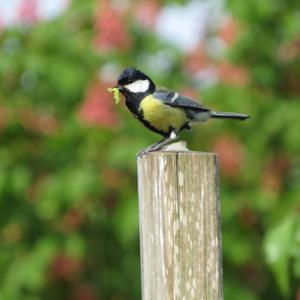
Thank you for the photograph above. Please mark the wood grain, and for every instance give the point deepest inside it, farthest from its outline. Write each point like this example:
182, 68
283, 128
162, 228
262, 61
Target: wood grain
180, 234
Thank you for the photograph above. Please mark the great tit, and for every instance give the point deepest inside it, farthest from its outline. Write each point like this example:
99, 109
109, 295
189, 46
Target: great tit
161, 110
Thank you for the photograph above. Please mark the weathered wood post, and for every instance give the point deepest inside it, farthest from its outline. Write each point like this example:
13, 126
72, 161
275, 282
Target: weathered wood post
180, 234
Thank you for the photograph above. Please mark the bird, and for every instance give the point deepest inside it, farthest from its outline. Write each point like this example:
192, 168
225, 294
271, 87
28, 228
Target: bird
161, 110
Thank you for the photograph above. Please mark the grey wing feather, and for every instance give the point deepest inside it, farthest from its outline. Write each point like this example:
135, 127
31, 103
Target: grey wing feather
176, 100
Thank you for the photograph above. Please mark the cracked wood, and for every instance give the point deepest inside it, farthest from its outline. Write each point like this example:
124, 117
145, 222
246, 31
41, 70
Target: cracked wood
180, 234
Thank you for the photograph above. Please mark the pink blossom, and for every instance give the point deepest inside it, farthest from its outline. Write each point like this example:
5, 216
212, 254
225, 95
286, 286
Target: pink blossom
1, 24
110, 27
97, 108
229, 30
196, 60
231, 154
28, 11
274, 172
146, 12
232, 74
65, 268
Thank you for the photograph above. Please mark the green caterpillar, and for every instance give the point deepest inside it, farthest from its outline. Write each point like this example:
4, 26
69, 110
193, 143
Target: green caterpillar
116, 94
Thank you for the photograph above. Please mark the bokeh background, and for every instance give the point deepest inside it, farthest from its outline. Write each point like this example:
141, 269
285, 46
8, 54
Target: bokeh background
68, 192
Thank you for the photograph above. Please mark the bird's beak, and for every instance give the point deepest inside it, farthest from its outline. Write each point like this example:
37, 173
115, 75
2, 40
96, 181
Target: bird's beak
119, 87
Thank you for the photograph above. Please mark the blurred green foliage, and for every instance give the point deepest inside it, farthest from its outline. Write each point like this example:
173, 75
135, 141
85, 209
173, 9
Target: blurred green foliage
68, 197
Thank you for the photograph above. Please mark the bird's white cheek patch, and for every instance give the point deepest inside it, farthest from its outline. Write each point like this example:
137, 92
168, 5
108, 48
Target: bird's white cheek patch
139, 86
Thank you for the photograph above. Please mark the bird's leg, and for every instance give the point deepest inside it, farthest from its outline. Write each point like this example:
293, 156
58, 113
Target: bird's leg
157, 146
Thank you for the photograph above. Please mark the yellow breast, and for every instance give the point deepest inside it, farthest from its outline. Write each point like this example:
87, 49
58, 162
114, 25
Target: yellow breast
162, 116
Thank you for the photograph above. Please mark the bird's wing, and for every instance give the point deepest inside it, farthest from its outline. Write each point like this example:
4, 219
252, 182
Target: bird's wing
176, 100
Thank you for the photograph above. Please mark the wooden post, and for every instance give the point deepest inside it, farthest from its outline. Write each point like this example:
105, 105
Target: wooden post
180, 233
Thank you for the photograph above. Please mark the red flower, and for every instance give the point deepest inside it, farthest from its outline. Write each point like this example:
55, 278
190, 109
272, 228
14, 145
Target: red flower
83, 292
228, 31
65, 268
97, 108
190, 92
110, 29
231, 155
71, 220
146, 12
274, 173
197, 60
1, 25
27, 11
232, 74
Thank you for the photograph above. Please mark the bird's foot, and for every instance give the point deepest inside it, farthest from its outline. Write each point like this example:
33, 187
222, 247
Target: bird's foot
157, 146
151, 148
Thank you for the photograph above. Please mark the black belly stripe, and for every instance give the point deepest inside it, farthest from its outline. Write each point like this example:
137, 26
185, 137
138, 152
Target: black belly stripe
149, 126
133, 104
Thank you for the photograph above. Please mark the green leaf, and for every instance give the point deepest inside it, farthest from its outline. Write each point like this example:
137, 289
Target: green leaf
277, 248
29, 270
296, 250
75, 246
126, 220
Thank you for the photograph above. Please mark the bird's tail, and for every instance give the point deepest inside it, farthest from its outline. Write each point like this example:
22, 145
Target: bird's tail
228, 115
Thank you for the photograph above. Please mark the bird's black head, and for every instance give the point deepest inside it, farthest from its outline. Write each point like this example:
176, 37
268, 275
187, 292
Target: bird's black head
134, 81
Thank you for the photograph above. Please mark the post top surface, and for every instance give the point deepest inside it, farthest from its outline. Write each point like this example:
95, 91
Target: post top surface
177, 149
178, 154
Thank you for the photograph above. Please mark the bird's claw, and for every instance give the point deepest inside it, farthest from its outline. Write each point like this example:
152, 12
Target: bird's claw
159, 145
147, 150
